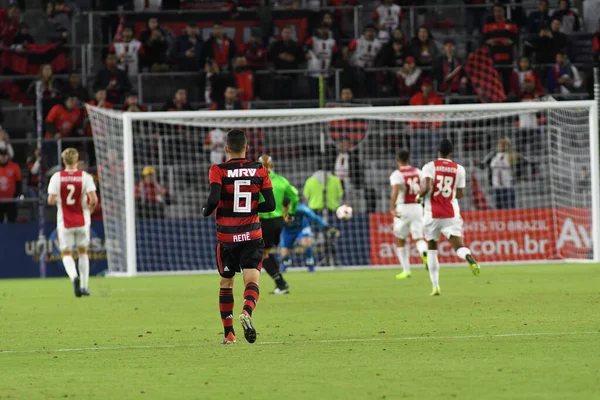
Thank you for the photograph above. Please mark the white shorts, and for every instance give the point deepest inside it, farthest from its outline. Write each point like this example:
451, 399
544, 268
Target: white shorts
434, 228
68, 238
409, 221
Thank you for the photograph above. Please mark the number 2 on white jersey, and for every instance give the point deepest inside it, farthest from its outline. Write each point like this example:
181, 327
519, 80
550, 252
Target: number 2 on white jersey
238, 195
70, 199
444, 185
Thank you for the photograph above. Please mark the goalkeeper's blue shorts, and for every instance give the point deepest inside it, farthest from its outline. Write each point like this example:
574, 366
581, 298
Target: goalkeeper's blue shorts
290, 235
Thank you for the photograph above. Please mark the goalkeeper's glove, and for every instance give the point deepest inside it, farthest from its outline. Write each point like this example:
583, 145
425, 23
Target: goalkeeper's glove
333, 232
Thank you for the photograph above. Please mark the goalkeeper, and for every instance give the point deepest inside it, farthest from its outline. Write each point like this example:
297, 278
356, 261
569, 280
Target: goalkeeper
272, 222
298, 228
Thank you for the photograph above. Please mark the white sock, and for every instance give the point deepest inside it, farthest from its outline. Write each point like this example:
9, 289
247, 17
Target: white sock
421, 246
70, 267
434, 267
463, 252
404, 259
84, 270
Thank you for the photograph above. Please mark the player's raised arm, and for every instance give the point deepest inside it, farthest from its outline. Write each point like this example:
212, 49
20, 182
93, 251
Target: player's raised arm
311, 215
215, 178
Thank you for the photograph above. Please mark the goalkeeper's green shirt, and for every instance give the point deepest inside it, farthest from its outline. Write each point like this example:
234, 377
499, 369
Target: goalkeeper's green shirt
281, 189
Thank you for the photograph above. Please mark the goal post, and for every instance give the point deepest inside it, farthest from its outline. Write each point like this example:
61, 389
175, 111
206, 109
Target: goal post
153, 178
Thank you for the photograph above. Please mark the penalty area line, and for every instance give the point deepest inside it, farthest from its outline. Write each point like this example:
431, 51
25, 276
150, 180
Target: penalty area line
289, 342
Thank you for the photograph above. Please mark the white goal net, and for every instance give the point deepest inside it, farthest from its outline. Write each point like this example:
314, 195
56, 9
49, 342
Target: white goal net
532, 179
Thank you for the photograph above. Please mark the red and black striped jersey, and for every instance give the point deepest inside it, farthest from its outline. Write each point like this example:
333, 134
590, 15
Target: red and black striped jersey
237, 213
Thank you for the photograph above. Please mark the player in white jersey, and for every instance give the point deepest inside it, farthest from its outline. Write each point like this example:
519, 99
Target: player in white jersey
74, 193
407, 213
444, 183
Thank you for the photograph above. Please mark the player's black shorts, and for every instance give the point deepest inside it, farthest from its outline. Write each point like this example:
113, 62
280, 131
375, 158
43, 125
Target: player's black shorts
271, 230
234, 257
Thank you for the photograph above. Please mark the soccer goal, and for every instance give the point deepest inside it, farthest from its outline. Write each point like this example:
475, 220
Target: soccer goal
541, 204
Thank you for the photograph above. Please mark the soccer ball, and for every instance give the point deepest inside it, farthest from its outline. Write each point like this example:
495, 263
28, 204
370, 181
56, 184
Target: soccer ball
344, 212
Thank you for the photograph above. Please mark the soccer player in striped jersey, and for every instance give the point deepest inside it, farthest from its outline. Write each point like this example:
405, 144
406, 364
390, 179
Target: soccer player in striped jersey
74, 194
235, 187
444, 183
272, 222
407, 213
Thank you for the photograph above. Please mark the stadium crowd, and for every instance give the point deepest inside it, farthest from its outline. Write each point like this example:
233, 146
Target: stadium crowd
533, 52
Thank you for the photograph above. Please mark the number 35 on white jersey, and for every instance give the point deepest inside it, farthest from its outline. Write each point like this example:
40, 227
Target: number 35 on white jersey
71, 187
447, 176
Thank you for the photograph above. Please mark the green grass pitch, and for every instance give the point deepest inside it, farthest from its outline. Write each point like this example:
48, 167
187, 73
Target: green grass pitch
516, 332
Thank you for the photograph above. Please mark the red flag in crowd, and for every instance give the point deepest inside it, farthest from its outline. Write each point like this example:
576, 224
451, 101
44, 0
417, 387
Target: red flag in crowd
484, 77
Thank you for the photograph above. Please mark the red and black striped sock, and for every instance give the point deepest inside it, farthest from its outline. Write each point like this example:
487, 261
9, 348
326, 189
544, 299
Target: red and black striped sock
250, 297
226, 307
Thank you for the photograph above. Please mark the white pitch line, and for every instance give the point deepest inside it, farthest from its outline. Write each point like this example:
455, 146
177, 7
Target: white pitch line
357, 340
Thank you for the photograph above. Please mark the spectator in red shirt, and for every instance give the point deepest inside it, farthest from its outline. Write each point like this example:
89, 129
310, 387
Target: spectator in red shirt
502, 36
9, 24
244, 78
10, 187
132, 104
178, 102
409, 78
424, 135
426, 97
254, 51
424, 49
100, 100
231, 101
448, 70
150, 196
256, 58
219, 47
64, 120
520, 75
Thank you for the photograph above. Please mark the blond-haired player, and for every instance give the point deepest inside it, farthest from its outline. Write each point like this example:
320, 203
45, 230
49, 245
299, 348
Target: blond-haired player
74, 193
407, 213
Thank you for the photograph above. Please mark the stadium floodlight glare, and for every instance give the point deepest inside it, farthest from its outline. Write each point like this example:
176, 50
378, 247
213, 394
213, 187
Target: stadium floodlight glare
551, 210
